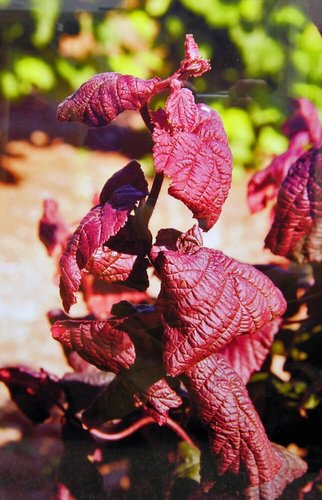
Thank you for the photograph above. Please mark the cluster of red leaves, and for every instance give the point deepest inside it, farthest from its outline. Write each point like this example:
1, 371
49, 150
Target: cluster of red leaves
294, 177
303, 130
212, 311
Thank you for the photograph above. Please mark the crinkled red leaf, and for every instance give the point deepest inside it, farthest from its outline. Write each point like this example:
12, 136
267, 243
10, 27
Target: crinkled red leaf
101, 343
193, 64
158, 399
122, 259
192, 149
296, 230
35, 393
53, 231
237, 436
264, 185
207, 299
102, 98
247, 353
121, 397
114, 267
97, 227
305, 118
291, 468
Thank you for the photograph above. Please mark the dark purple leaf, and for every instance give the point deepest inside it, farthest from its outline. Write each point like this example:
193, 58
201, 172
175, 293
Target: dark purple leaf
193, 150
35, 393
96, 228
264, 185
53, 231
206, 299
158, 399
237, 436
296, 230
247, 353
131, 176
102, 98
101, 343
305, 118
82, 388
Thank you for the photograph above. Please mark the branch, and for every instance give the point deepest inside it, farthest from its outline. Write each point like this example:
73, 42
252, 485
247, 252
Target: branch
104, 436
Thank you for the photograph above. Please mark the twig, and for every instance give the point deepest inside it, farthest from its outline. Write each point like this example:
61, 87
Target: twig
116, 436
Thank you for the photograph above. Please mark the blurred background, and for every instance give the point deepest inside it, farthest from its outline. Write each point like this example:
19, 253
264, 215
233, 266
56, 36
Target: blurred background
263, 53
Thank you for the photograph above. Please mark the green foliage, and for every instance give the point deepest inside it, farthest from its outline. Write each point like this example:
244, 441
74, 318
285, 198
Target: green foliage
189, 462
262, 52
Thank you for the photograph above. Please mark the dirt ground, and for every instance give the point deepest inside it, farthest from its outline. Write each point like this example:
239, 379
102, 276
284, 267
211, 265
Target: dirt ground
71, 176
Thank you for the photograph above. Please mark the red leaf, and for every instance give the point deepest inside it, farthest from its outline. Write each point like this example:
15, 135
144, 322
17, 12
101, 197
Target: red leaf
102, 98
305, 118
292, 467
101, 343
237, 436
192, 149
296, 230
100, 296
158, 399
114, 267
264, 185
247, 353
35, 393
96, 228
207, 299
193, 64
53, 231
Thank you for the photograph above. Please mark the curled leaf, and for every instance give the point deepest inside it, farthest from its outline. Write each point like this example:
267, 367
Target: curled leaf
291, 468
264, 185
206, 299
193, 64
101, 343
34, 392
304, 118
304, 129
115, 267
53, 231
102, 98
97, 227
191, 147
237, 436
297, 231
247, 353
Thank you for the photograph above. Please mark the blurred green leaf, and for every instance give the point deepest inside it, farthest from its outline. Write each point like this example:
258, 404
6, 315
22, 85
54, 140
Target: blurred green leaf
311, 402
157, 7
289, 14
45, 13
216, 12
189, 466
261, 53
251, 10
9, 85
75, 76
32, 71
271, 141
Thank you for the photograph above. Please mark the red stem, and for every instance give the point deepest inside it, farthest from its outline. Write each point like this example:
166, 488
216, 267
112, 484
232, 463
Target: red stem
115, 436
